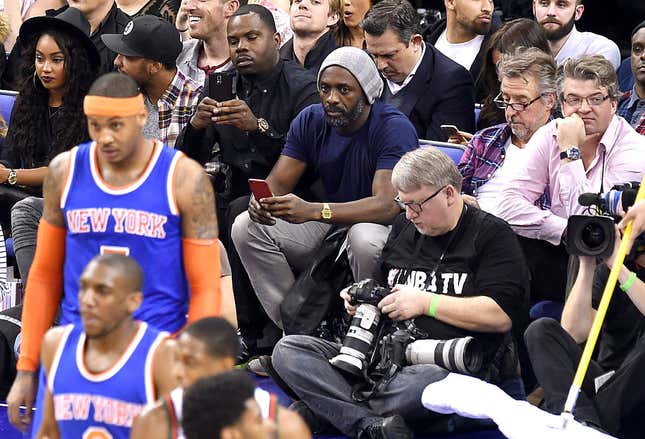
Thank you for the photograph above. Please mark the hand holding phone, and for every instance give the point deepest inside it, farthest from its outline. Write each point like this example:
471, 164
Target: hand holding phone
260, 189
449, 130
222, 86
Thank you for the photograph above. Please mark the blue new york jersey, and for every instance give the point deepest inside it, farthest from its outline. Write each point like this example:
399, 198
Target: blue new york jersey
101, 405
140, 220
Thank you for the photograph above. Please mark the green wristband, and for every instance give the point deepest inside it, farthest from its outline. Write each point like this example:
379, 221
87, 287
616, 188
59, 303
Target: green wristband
432, 307
628, 283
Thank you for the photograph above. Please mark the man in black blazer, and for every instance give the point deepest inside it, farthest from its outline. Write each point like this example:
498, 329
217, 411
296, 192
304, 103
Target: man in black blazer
428, 87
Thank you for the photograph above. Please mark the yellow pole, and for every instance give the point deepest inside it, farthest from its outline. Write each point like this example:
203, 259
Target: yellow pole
574, 391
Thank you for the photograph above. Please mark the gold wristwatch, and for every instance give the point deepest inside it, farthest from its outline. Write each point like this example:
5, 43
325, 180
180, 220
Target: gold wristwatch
12, 178
263, 125
326, 213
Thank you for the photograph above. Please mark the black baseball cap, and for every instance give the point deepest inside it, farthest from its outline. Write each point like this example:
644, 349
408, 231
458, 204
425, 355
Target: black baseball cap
147, 36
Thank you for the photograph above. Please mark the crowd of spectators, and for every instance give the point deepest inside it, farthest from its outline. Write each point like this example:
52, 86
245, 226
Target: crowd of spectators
343, 109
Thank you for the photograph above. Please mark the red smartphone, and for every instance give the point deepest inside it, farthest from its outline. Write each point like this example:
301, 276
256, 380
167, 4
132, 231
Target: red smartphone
260, 189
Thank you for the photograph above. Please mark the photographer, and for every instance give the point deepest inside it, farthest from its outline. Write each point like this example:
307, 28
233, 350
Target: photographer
613, 392
455, 270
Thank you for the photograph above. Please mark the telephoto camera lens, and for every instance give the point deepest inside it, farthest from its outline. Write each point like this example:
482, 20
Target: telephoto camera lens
462, 355
358, 341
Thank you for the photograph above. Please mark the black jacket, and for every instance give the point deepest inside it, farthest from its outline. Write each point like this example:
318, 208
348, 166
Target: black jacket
325, 45
440, 93
278, 98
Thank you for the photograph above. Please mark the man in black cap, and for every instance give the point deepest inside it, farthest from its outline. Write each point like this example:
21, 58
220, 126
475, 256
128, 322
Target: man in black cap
147, 52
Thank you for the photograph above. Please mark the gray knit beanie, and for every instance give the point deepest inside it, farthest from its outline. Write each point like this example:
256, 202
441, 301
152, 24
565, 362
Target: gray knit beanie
359, 64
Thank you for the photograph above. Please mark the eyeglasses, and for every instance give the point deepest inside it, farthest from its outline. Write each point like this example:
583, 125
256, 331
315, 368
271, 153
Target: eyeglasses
593, 100
413, 205
502, 104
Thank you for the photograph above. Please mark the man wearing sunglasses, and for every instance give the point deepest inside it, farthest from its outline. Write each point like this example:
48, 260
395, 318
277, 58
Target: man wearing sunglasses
589, 150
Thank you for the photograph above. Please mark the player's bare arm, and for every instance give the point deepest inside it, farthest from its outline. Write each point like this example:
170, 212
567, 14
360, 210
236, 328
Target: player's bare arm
195, 200
53, 189
49, 427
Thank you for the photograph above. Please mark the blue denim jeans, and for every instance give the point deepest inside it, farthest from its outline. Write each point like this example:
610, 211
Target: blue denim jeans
303, 363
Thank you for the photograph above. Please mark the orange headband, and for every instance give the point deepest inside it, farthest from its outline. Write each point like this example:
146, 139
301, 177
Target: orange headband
113, 107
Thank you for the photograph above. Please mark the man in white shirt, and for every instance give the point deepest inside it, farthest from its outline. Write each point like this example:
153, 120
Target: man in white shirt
558, 19
426, 86
461, 37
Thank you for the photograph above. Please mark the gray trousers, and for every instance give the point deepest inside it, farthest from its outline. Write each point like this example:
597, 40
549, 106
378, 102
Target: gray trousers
303, 363
25, 216
271, 254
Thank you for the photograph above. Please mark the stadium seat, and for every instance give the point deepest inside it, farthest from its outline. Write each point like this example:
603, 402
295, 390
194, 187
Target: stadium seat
546, 308
454, 151
7, 99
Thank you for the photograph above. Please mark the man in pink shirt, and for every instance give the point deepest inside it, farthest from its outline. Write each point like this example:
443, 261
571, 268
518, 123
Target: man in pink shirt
589, 150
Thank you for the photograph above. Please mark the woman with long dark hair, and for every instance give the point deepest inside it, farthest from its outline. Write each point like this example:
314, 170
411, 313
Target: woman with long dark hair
59, 63
57, 68
522, 32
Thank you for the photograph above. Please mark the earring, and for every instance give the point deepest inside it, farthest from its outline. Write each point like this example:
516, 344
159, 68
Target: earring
36, 80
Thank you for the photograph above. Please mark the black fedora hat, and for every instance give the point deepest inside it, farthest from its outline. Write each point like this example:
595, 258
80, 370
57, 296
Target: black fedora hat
70, 21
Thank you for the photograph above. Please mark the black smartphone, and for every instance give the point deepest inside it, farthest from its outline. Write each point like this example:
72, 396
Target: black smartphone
221, 86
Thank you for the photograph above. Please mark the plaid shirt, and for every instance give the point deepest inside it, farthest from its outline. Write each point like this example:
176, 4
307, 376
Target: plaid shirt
484, 155
176, 106
626, 109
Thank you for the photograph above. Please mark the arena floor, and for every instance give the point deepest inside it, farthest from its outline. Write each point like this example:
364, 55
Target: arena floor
8, 432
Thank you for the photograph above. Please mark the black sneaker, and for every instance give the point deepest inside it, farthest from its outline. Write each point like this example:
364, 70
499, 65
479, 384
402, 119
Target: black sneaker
248, 348
393, 427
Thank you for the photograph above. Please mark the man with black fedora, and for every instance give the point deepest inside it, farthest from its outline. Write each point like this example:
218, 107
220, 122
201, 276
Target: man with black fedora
147, 51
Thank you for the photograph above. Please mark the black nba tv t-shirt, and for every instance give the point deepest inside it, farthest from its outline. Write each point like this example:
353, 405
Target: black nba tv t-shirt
482, 257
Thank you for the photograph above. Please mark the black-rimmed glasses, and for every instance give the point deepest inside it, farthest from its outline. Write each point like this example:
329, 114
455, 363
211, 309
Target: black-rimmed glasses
414, 206
517, 106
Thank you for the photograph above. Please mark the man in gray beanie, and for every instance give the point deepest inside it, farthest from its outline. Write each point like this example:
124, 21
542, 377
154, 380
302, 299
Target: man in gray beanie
351, 142
631, 105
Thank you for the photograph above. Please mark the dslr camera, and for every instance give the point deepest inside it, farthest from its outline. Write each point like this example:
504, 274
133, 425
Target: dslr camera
361, 337
594, 235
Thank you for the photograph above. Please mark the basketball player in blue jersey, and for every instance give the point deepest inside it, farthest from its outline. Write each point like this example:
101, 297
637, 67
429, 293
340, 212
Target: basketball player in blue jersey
123, 194
101, 373
205, 348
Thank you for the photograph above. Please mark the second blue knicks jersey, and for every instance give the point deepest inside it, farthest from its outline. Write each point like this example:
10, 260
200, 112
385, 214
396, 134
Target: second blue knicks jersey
140, 220
101, 405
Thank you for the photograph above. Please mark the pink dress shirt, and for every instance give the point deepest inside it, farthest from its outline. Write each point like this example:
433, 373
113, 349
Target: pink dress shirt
624, 152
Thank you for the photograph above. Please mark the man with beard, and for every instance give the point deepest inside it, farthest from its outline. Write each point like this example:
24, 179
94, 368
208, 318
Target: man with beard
558, 19
462, 36
351, 142
631, 105
528, 96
